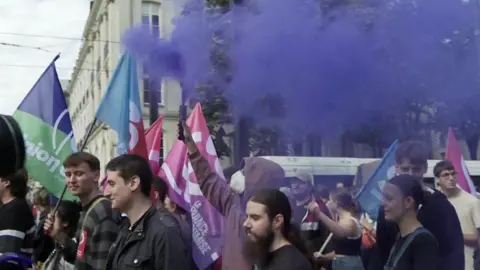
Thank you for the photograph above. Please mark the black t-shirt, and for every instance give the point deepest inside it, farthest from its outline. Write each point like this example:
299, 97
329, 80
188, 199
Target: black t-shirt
288, 258
421, 254
17, 227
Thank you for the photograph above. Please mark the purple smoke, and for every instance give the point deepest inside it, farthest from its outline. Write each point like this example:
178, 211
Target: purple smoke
330, 70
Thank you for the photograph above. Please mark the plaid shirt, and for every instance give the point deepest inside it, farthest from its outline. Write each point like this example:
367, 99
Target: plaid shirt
95, 239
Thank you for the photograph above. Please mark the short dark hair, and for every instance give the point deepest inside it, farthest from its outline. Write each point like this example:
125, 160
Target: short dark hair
161, 187
415, 152
444, 165
129, 165
78, 158
18, 183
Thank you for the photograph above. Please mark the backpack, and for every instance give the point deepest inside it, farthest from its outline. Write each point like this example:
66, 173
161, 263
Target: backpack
393, 259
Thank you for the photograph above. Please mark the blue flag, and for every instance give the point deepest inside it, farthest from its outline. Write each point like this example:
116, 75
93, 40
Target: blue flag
120, 108
47, 129
370, 195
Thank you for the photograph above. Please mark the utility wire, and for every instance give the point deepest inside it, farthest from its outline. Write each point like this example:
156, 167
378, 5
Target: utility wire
56, 37
43, 67
24, 47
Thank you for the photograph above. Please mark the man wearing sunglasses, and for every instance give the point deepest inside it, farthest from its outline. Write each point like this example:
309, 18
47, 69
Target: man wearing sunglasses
436, 214
466, 205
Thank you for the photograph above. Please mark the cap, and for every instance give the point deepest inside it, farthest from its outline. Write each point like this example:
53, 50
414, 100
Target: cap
304, 177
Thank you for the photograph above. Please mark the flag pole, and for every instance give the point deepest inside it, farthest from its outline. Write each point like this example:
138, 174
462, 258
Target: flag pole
182, 113
82, 147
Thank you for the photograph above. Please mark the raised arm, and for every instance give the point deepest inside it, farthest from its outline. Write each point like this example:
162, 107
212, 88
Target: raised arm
213, 187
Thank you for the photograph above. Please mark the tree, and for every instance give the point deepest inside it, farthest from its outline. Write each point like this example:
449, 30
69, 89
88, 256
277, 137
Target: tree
266, 137
210, 94
376, 133
413, 120
252, 136
216, 112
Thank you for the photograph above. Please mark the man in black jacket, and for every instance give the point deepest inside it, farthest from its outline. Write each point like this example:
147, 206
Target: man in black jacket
437, 214
150, 240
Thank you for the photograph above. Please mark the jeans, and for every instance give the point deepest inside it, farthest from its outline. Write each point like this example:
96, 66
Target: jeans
347, 263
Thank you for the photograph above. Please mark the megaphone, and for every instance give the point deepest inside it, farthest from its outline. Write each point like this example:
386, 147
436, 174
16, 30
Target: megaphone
12, 146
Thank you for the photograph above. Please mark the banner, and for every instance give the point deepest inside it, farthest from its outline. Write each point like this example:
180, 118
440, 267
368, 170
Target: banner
370, 195
207, 222
47, 129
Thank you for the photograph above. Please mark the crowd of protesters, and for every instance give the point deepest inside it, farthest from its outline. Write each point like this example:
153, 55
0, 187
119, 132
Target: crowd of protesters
272, 222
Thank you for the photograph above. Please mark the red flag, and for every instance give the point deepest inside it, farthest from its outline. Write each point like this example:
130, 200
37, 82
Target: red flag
454, 154
153, 139
137, 144
185, 191
146, 141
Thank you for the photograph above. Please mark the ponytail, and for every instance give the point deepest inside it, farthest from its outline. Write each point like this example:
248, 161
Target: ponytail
295, 238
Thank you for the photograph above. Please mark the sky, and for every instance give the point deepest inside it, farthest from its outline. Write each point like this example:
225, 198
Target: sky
42, 29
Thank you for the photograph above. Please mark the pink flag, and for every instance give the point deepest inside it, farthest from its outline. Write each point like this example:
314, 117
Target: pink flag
454, 154
207, 222
153, 139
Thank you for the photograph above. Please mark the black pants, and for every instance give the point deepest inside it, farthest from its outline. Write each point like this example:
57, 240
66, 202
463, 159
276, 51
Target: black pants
367, 254
476, 260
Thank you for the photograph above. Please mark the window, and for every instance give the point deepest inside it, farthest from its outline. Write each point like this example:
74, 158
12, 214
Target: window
151, 17
151, 20
149, 88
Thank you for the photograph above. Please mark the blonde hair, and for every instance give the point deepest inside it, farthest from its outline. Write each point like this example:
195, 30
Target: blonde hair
40, 197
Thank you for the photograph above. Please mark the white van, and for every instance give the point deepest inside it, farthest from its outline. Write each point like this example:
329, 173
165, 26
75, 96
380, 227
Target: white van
330, 170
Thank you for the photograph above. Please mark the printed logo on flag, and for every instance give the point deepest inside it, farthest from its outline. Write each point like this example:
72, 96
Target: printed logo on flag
370, 195
68, 139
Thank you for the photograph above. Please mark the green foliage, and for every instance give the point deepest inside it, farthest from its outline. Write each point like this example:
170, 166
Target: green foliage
265, 140
210, 94
221, 3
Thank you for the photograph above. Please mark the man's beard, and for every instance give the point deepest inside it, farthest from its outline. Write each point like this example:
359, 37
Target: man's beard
257, 251
302, 198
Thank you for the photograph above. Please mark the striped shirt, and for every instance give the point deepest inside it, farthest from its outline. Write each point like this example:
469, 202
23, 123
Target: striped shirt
17, 227
89, 250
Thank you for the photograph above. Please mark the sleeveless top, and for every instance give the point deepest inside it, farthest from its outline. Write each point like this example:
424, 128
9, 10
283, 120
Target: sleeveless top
348, 246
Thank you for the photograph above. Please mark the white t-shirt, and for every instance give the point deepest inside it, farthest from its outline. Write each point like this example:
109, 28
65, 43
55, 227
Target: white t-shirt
467, 207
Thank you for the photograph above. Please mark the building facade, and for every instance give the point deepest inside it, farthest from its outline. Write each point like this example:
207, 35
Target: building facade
97, 59
99, 55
